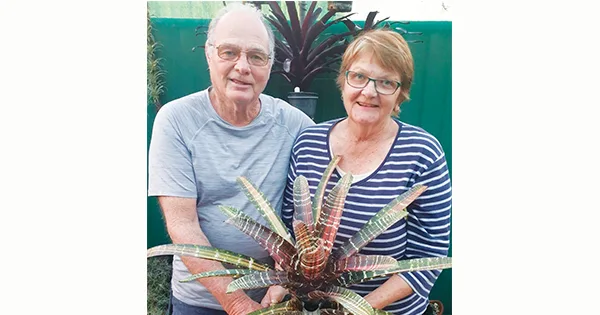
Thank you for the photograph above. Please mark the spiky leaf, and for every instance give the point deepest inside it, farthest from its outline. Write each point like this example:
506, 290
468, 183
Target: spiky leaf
320, 192
382, 312
259, 280
309, 18
264, 207
370, 18
351, 301
302, 204
313, 260
235, 273
380, 222
278, 247
304, 239
416, 264
365, 263
331, 214
207, 252
294, 22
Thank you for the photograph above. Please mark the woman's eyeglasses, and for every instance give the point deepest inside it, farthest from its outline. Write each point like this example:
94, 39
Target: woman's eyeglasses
382, 86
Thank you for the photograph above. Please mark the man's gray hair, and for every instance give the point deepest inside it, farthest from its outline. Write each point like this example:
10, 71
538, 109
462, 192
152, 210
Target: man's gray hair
239, 7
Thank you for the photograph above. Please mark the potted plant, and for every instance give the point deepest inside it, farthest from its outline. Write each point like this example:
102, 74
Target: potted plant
313, 271
302, 52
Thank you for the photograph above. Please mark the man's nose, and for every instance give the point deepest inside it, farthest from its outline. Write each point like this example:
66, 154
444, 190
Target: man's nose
242, 64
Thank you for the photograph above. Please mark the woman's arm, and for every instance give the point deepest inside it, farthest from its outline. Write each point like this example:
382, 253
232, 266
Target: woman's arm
428, 225
394, 289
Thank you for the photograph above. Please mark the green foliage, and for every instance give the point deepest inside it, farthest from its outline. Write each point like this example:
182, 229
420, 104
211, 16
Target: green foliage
158, 284
155, 84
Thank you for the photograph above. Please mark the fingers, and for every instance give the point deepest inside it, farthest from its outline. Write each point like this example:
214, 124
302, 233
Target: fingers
274, 295
266, 301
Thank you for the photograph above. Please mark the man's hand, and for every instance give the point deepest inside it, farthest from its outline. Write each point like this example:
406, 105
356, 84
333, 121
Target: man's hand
274, 295
243, 307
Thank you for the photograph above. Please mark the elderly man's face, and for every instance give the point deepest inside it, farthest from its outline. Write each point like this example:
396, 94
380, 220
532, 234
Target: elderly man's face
240, 81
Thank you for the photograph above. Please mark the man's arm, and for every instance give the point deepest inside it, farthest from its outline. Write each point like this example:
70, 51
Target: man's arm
183, 228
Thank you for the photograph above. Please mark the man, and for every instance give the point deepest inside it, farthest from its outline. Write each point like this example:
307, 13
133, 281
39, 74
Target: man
202, 142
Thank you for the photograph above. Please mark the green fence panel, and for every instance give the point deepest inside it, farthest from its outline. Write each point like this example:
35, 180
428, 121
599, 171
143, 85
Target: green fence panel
430, 107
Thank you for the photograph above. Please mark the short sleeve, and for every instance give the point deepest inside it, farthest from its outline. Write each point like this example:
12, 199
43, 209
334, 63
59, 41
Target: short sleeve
170, 167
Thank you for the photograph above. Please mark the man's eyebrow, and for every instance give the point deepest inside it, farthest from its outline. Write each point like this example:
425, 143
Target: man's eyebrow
257, 48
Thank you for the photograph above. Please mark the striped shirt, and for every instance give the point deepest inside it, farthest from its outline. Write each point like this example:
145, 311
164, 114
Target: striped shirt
416, 157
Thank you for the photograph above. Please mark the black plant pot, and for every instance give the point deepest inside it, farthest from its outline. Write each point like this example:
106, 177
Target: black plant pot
304, 101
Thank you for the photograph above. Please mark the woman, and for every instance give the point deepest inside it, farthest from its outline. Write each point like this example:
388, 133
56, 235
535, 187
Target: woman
386, 157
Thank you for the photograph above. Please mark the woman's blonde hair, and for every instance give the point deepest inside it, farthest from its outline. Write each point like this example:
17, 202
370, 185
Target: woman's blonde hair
390, 51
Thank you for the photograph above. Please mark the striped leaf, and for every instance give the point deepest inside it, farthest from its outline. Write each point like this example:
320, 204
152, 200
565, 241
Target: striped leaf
313, 260
304, 240
382, 312
259, 280
417, 264
351, 301
320, 192
331, 311
264, 207
331, 214
209, 253
235, 273
365, 263
279, 248
302, 204
291, 307
380, 222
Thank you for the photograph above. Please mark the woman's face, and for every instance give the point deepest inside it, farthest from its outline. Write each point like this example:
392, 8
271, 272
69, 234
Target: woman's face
366, 106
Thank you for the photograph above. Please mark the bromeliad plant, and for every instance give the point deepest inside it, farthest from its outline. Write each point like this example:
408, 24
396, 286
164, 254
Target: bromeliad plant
309, 267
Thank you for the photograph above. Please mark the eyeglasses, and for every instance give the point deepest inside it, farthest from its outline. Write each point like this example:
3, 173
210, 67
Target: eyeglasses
231, 52
382, 86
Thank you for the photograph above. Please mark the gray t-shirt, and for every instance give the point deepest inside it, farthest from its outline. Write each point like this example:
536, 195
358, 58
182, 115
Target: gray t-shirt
196, 154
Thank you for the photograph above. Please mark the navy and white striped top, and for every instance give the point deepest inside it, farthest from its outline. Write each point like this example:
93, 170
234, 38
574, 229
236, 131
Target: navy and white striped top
415, 157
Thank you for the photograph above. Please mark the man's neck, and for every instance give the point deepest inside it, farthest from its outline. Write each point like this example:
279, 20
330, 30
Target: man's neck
236, 114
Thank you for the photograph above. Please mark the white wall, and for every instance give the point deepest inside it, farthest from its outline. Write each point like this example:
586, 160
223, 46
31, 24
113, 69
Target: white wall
404, 10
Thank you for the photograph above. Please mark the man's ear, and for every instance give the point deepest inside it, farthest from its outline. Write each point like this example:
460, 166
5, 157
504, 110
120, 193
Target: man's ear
206, 48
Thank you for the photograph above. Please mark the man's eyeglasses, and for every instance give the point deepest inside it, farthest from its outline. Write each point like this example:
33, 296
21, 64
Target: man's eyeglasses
231, 52
382, 86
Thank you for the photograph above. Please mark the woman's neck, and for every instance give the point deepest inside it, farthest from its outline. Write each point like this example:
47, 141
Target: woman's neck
356, 132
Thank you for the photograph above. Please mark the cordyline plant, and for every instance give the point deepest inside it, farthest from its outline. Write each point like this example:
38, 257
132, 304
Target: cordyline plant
309, 267
370, 24
299, 56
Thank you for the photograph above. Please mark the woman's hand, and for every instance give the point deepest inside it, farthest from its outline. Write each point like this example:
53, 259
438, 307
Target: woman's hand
274, 295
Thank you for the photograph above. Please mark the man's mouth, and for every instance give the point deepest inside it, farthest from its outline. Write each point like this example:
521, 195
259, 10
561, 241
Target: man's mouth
239, 82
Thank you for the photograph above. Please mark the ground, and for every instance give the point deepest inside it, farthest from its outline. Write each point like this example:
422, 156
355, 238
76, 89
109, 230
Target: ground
159, 283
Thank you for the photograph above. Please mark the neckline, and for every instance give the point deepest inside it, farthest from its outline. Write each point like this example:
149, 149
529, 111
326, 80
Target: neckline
213, 112
329, 153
